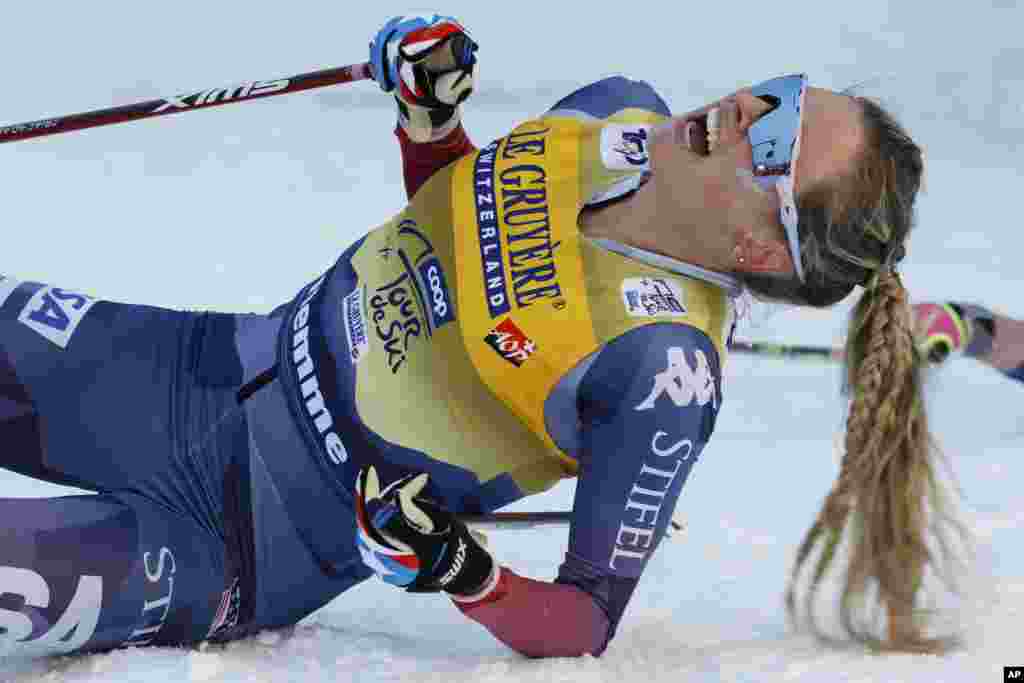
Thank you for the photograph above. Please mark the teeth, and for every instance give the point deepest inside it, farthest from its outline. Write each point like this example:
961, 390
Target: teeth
712, 134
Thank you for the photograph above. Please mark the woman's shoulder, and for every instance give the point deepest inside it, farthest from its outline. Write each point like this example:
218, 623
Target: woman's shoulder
604, 98
624, 295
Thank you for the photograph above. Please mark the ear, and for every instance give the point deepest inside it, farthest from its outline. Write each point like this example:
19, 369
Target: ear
756, 255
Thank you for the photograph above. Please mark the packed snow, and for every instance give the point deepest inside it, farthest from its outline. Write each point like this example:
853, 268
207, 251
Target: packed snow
235, 208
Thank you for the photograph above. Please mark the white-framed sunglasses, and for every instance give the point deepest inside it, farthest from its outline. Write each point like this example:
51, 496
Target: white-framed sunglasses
775, 142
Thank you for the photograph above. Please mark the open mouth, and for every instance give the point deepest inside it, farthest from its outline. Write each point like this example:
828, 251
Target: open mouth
696, 136
700, 131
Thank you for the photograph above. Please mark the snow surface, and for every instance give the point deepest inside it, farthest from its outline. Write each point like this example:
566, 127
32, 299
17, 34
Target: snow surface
236, 208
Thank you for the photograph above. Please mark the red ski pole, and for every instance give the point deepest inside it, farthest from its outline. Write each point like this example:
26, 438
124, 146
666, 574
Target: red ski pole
201, 99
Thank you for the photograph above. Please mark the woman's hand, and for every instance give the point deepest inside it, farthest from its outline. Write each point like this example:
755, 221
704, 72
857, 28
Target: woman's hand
428, 62
412, 542
939, 330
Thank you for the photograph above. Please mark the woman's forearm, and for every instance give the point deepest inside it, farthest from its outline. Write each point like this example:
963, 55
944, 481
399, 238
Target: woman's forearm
540, 619
421, 160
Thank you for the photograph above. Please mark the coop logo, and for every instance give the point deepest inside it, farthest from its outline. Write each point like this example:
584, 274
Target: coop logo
214, 95
510, 342
653, 298
55, 313
439, 299
355, 325
31, 593
304, 367
624, 148
159, 592
682, 384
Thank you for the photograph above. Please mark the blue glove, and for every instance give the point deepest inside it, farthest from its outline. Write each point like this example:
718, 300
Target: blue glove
428, 62
410, 541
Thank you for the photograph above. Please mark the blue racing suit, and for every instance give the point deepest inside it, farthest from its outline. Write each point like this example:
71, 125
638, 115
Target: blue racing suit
477, 336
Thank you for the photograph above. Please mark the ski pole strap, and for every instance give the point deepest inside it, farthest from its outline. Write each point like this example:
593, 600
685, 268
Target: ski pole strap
823, 353
246, 391
529, 520
201, 99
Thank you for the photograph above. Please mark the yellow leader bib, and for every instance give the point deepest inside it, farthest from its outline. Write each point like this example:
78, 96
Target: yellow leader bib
531, 298
524, 292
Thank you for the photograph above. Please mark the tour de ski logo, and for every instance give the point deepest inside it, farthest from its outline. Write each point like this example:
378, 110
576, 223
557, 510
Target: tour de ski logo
510, 342
653, 297
624, 148
415, 302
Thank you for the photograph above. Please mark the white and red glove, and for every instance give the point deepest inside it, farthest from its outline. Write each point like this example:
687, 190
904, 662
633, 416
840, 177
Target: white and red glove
428, 62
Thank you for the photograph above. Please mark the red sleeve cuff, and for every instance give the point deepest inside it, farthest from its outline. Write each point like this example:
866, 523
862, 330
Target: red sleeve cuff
422, 160
497, 588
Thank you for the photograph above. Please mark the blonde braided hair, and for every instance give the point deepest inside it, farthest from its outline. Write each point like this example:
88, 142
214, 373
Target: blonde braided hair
887, 507
887, 497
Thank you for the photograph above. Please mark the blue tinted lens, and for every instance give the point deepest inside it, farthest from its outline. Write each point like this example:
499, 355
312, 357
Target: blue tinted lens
773, 137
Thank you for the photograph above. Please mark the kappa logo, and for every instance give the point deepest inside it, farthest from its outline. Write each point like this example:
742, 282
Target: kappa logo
646, 297
683, 384
55, 313
355, 325
624, 148
511, 343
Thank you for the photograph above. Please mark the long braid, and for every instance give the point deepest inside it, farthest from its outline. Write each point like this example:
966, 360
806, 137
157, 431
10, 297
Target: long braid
887, 497
887, 508
886, 435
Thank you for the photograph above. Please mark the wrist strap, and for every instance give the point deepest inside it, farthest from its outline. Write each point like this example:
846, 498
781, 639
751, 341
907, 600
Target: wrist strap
426, 125
489, 586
